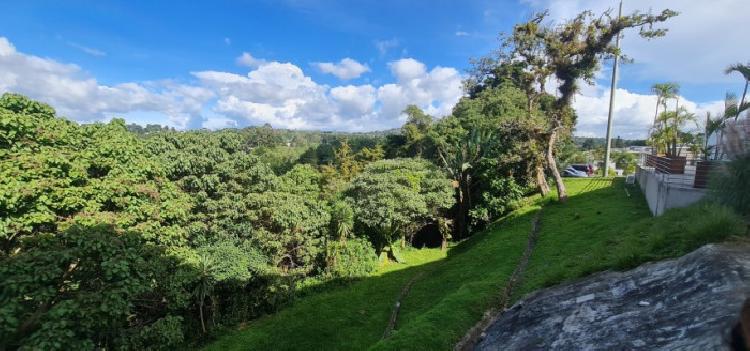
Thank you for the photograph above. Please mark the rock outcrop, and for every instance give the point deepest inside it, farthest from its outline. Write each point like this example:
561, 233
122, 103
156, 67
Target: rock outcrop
689, 303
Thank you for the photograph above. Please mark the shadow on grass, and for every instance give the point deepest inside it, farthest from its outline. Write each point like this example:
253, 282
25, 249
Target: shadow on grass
346, 315
441, 306
599, 228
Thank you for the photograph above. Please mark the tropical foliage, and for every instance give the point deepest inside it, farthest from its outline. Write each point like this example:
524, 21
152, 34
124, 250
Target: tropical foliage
118, 239
126, 237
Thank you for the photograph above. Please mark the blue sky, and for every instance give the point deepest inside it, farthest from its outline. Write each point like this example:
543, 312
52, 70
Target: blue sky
182, 65
144, 40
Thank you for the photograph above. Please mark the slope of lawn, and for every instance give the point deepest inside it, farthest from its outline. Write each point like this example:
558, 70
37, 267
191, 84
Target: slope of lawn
600, 228
355, 316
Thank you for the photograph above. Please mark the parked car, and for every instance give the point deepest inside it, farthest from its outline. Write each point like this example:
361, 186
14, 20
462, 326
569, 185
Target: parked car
572, 172
586, 168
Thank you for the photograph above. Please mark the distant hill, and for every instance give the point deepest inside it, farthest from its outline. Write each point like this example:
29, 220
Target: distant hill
587, 143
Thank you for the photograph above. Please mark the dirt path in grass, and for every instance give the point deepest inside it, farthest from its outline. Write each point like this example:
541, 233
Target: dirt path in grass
397, 306
474, 335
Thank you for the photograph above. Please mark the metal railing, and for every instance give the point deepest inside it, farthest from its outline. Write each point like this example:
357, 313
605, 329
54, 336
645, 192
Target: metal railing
687, 172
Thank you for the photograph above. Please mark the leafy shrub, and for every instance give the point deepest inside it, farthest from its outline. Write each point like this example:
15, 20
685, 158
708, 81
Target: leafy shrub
731, 186
351, 259
500, 196
394, 198
227, 261
164, 334
80, 290
697, 225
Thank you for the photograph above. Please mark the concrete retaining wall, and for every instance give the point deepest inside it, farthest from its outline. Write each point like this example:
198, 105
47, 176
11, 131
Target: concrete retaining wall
662, 196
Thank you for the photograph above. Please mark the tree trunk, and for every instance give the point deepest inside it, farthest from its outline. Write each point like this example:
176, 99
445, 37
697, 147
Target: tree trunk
656, 114
742, 101
200, 309
705, 139
460, 220
552, 165
467, 196
462, 209
529, 105
214, 310
541, 180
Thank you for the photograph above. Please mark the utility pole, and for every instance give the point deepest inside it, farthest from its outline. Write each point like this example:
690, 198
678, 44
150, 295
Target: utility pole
612, 90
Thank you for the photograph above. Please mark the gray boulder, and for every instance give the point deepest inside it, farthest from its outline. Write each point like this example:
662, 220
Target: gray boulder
689, 303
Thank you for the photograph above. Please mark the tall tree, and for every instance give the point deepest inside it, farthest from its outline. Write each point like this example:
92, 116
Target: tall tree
490, 84
415, 131
670, 124
732, 109
392, 199
204, 286
572, 51
345, 161
459, 161
664, 92
744, 70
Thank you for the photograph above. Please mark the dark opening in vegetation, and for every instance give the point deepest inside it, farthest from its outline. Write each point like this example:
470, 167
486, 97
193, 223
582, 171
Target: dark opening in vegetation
428, 236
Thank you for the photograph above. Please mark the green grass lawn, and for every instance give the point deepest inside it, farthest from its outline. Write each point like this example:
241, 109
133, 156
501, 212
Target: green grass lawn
599, 228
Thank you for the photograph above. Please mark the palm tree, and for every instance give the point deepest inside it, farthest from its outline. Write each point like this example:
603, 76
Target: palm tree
342, 218
671, 122
205, 284
745, 71
664, 92
712, 126
659, 139
458, 160
731, 109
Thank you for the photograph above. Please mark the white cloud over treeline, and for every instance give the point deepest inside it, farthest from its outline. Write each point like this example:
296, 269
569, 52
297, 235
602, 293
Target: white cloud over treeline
270, 92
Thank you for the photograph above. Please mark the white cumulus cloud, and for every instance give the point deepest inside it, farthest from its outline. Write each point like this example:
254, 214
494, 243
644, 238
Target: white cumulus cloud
355, 100
633, 114
270, 92
247, 60
73, 93
345, 69
436, 91
282, 95
275, 93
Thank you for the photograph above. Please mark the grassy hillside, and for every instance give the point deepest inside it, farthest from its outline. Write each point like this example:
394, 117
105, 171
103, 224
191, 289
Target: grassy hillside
601, 227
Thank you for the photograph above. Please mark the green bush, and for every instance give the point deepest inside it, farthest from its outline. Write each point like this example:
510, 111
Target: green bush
731, 185
501, 195
83, 289
351, 259
164, 334
392, 199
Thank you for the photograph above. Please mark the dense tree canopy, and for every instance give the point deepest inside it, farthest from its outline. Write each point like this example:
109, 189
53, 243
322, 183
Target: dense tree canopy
127, 237
394, 198
119, 237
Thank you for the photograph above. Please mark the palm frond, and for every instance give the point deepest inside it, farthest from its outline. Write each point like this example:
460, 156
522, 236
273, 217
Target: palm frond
744, 70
